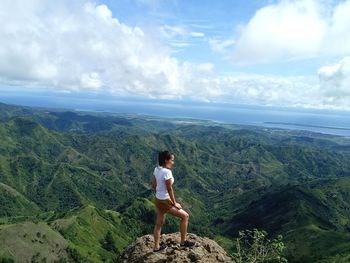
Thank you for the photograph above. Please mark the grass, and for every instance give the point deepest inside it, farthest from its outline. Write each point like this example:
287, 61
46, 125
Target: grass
27, 241
86, 227
313, 243
227, 243
14, 203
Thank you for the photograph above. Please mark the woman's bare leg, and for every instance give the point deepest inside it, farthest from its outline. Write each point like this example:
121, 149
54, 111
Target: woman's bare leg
157, 228
184, 221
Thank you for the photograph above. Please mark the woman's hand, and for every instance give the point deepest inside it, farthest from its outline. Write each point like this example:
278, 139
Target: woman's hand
154, 183
178, 206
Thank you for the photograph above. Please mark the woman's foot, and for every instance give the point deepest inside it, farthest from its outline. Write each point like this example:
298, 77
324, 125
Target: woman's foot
187, 243
161, 248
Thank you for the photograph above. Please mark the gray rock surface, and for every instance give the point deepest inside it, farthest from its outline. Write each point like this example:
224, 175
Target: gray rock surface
205, 250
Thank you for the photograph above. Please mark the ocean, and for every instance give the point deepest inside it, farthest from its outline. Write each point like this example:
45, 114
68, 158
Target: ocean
322, 121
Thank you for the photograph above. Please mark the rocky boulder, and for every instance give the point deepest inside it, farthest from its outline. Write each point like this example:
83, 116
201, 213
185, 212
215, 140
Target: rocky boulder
205, 250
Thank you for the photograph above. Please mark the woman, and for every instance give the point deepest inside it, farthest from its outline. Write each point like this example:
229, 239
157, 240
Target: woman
162, 183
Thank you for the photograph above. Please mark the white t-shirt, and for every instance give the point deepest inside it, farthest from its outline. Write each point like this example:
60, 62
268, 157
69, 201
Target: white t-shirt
162, 174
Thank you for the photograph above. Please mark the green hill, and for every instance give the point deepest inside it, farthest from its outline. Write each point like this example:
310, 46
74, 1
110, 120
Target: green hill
86, 234
40, 164
88, 175
314, 218
86, 229
14, 203
30, 242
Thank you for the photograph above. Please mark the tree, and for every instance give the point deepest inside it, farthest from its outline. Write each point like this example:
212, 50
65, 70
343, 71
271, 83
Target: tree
253, 246
6, 260
108, 243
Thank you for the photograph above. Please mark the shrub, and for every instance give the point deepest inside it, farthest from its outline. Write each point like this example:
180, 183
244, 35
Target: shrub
253, 246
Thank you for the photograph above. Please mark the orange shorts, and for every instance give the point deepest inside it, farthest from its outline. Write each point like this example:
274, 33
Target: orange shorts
163, 205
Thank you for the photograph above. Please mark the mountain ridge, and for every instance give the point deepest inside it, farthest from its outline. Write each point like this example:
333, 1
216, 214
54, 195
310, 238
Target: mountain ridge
224, 174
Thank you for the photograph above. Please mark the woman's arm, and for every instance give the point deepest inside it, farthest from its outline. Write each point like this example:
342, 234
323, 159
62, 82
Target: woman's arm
169, 187
154, 183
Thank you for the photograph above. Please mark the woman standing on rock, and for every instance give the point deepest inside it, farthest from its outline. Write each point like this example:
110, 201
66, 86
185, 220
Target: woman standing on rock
162, 183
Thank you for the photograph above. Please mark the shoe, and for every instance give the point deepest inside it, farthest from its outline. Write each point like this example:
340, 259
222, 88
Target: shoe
161, 248
187, 243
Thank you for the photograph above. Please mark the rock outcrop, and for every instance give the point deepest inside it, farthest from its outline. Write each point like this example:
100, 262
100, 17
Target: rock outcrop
205, 250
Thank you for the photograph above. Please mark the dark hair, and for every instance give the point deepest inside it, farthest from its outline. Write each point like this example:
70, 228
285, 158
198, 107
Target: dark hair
164, 156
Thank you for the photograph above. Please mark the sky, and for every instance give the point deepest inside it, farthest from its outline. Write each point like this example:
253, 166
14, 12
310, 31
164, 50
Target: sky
286, 53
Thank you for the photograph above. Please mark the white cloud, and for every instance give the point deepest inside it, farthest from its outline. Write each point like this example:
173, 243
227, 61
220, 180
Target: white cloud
179, 31
180, 44
82, 46
180, 37
294, 29
91, 81
338, 40
221, 46
174, 31
265, 90
197, 34
335, 83
330, 91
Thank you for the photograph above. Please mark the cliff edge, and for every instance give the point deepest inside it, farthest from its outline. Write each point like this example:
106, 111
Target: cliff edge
205, 250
